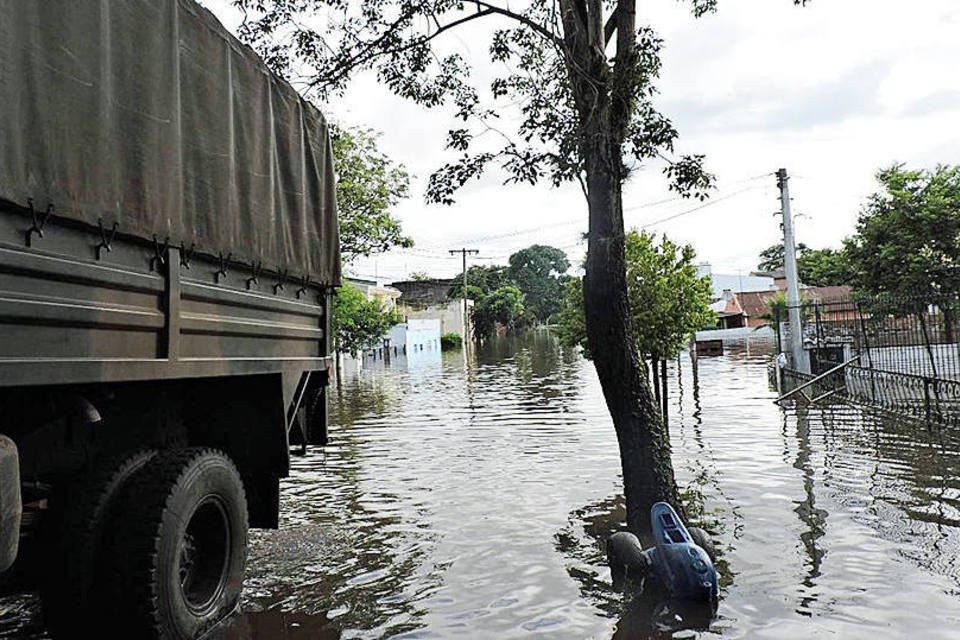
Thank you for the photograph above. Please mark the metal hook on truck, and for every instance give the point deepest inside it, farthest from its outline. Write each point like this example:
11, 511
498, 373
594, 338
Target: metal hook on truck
149, 400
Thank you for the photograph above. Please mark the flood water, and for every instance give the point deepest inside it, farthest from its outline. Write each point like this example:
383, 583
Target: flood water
472, 501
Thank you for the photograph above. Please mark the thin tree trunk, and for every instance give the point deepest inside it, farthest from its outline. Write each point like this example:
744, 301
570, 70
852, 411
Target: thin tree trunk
664, 405
644, 447
655, 365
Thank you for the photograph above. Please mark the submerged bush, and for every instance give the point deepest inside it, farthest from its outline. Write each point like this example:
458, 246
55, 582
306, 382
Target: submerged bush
450, 341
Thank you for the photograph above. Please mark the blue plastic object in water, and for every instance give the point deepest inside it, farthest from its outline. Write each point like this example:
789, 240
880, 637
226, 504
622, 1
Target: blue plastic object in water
685, 568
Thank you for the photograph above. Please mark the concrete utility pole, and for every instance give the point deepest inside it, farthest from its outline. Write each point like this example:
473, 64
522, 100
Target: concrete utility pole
466, 314
798, 356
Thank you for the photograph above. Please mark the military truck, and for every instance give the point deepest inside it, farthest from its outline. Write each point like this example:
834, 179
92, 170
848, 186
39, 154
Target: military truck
168, 249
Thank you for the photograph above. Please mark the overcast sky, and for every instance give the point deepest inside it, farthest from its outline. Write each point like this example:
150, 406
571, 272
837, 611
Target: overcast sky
832, 92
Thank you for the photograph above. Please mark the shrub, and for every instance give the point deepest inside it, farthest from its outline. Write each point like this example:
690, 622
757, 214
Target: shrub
450, 341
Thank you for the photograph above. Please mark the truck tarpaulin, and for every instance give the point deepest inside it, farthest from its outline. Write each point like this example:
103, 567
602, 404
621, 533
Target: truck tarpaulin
148, 113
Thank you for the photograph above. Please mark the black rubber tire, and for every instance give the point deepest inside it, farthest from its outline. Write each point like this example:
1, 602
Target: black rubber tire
702, 539
74, 533
182, 500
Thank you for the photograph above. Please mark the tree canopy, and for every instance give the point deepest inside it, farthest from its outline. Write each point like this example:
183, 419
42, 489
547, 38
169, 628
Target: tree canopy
907, 242
539, 272
358, 323
771, 258
669, 300
503, 306
815, 267
481, 280
369, 185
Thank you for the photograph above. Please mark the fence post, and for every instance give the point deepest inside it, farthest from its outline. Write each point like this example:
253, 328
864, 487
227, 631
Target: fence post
926, 398
776, 319
866, 346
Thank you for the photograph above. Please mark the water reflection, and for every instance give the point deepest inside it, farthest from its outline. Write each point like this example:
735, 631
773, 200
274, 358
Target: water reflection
813, 518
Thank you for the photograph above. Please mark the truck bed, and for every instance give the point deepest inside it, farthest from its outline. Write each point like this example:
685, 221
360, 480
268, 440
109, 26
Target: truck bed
144, 310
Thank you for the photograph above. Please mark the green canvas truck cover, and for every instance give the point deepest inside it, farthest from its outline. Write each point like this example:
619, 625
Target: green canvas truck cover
148, 113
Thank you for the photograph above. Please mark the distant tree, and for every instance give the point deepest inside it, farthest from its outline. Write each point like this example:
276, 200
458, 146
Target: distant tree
538, 272
420, 276
481, 280
815, 267
358, 323
907, 242
771, 258
824, 267
502, 306
369, 185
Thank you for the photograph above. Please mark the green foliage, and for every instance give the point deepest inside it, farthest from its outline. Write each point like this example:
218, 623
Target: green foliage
815, 267
668, 299
538, 272
771, 258
419, 276
502, 306
369, 185
545, 58
571, 324
778, 308
824, 268
481, 280
449, 341
358, 323
907, 242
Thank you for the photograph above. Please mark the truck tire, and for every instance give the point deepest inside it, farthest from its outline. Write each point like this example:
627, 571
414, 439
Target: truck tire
73, 534
179, 545
10, 506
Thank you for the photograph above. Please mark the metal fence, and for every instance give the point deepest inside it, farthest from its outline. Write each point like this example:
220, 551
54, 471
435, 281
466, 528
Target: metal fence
909, 353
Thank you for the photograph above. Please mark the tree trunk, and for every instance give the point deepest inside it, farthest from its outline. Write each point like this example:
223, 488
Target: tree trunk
664, 407
644, 447
655, 365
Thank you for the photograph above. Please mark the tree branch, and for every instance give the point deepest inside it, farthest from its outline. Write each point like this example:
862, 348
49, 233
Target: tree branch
610, 27
533, 24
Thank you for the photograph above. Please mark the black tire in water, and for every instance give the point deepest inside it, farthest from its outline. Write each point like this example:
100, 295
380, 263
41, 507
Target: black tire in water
179, 546
73, 533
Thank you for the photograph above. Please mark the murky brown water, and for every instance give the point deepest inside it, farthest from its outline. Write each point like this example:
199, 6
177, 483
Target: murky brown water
471, 502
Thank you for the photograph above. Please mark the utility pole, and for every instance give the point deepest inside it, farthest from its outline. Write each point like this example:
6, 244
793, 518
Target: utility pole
466, 314
798, 357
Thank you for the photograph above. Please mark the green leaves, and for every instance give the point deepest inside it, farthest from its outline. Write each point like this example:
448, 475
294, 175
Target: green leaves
503, 306
369, 185
668, 299
907, 243
539, 272
358, 323
554, 89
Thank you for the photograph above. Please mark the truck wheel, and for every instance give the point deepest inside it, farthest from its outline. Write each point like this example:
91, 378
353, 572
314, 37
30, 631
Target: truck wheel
74, 534
179, 545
